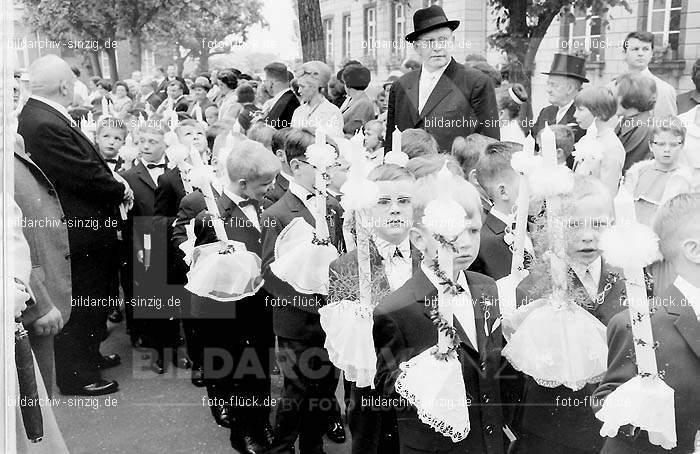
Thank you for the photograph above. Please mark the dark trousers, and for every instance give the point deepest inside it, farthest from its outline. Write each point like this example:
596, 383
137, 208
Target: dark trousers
309, 380
237, 369
529, 443
77, 347
193, 330
373, 427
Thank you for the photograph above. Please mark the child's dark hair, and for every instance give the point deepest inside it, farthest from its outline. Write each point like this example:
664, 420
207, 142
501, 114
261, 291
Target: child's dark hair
296, 143
494, 162
278, 139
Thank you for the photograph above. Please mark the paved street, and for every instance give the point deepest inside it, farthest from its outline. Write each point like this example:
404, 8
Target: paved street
151, 414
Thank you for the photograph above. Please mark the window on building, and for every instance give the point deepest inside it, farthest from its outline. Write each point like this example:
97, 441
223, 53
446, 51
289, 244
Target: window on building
346, 36
399, 29
328, 30
371, 31
664, 21
583, 35
104, 63
427, 3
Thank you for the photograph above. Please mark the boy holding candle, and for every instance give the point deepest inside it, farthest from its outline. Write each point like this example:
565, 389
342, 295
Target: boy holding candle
675, 323
142, 179
239, 333
501, 183
403, 329
309, 377
548, 420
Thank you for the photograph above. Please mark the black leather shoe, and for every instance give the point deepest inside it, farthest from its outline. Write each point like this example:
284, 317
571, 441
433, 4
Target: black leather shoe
246, 443
116, 316
222, 415
98, 388
336, 432
108, 361
198, 377
158, 364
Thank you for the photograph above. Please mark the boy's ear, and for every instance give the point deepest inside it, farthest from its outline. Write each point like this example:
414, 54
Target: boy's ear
280, 154
417, 239
471, 177
690, 248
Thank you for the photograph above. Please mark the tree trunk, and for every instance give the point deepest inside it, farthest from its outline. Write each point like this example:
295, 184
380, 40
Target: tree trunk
204, 60
313, 40
112, 56
135, 51
94, 67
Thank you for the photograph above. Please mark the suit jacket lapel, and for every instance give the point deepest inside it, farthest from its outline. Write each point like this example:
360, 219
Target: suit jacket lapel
145, 175
411, 90
297, 208
495, 225
687, 322
444, 87
568, 116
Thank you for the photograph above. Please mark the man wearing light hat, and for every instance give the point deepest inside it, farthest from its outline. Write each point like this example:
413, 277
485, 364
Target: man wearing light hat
442, 97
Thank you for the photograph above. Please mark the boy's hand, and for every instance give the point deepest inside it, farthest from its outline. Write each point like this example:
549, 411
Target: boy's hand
139, 255
21, 297
49, 323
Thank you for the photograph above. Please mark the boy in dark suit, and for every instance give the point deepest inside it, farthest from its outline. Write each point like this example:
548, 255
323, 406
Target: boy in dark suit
283, 178
544, 423
675, 324
109, 138
242, 329
501, 183
403, 329
295, 317
393, 262
142, 179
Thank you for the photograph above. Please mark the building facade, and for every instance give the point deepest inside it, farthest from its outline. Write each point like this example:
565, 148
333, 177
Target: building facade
373, 31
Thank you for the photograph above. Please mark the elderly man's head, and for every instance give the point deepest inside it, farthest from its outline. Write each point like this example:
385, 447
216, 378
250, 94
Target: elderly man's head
435, 47
561, 90
51, 77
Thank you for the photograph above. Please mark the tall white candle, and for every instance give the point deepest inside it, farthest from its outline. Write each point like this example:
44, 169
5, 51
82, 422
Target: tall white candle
105, 107
396, 139
549, 147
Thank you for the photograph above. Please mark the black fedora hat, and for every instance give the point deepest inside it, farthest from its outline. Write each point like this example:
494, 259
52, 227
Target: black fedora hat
429, 18
568, 66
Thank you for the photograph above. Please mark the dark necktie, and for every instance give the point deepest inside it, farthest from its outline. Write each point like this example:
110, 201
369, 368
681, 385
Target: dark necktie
397, 253
310, 196
248, 202
155, 166
112, 160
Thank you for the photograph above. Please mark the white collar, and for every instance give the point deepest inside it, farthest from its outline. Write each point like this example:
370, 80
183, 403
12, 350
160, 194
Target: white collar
162, 161
435, 280
287, 176
278, 96
387, 249
566, 107
299, 191
434, 75
691, 293
595, 267
55, 105
235, 198
506, 219
334, 193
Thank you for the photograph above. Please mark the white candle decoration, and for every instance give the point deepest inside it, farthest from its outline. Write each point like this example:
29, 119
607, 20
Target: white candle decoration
146, 250
549, 146
396, 139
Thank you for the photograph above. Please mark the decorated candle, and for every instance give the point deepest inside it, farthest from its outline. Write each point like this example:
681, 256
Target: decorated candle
205, 187
396, 139
146, 250
548, 147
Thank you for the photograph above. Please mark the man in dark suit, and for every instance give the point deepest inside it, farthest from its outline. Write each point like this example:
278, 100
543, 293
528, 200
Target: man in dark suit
675, 325
171, 75
50, 278
443, 97
403, 329
283, 103
295, 318
149, 95
90, 196
544, 424
175, 99
242, 329
566, 76
142, 179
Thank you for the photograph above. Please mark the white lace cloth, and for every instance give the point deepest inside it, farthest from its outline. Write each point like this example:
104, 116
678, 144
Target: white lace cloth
436, 388
348, 326
301, 263
557, 343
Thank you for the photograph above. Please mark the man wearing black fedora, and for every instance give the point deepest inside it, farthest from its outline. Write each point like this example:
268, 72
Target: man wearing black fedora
442, 97
566, 76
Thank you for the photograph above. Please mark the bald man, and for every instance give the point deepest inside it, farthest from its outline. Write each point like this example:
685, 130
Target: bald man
89, 196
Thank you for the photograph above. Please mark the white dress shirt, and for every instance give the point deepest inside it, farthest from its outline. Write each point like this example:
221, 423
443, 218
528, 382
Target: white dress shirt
326, 115
462, 306
302, 193
397, 269
428, 81
248, 210
691, 293
591, 282
509, 220
155, 172
563, 110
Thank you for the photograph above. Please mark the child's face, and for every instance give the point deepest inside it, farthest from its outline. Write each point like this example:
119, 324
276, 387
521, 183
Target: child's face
256, 189
591, 216
372, 138
583, 117
666, 148
211, 115
467, 244
109, 141
392, 215
193, 136
338, 173
151, 146
120, 91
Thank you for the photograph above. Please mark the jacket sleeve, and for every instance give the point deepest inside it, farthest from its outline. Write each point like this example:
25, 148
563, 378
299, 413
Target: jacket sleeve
390, 116
68, 166
391, 352
483, 101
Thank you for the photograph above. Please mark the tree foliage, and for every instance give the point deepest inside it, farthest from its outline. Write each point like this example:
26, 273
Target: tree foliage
522, 24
